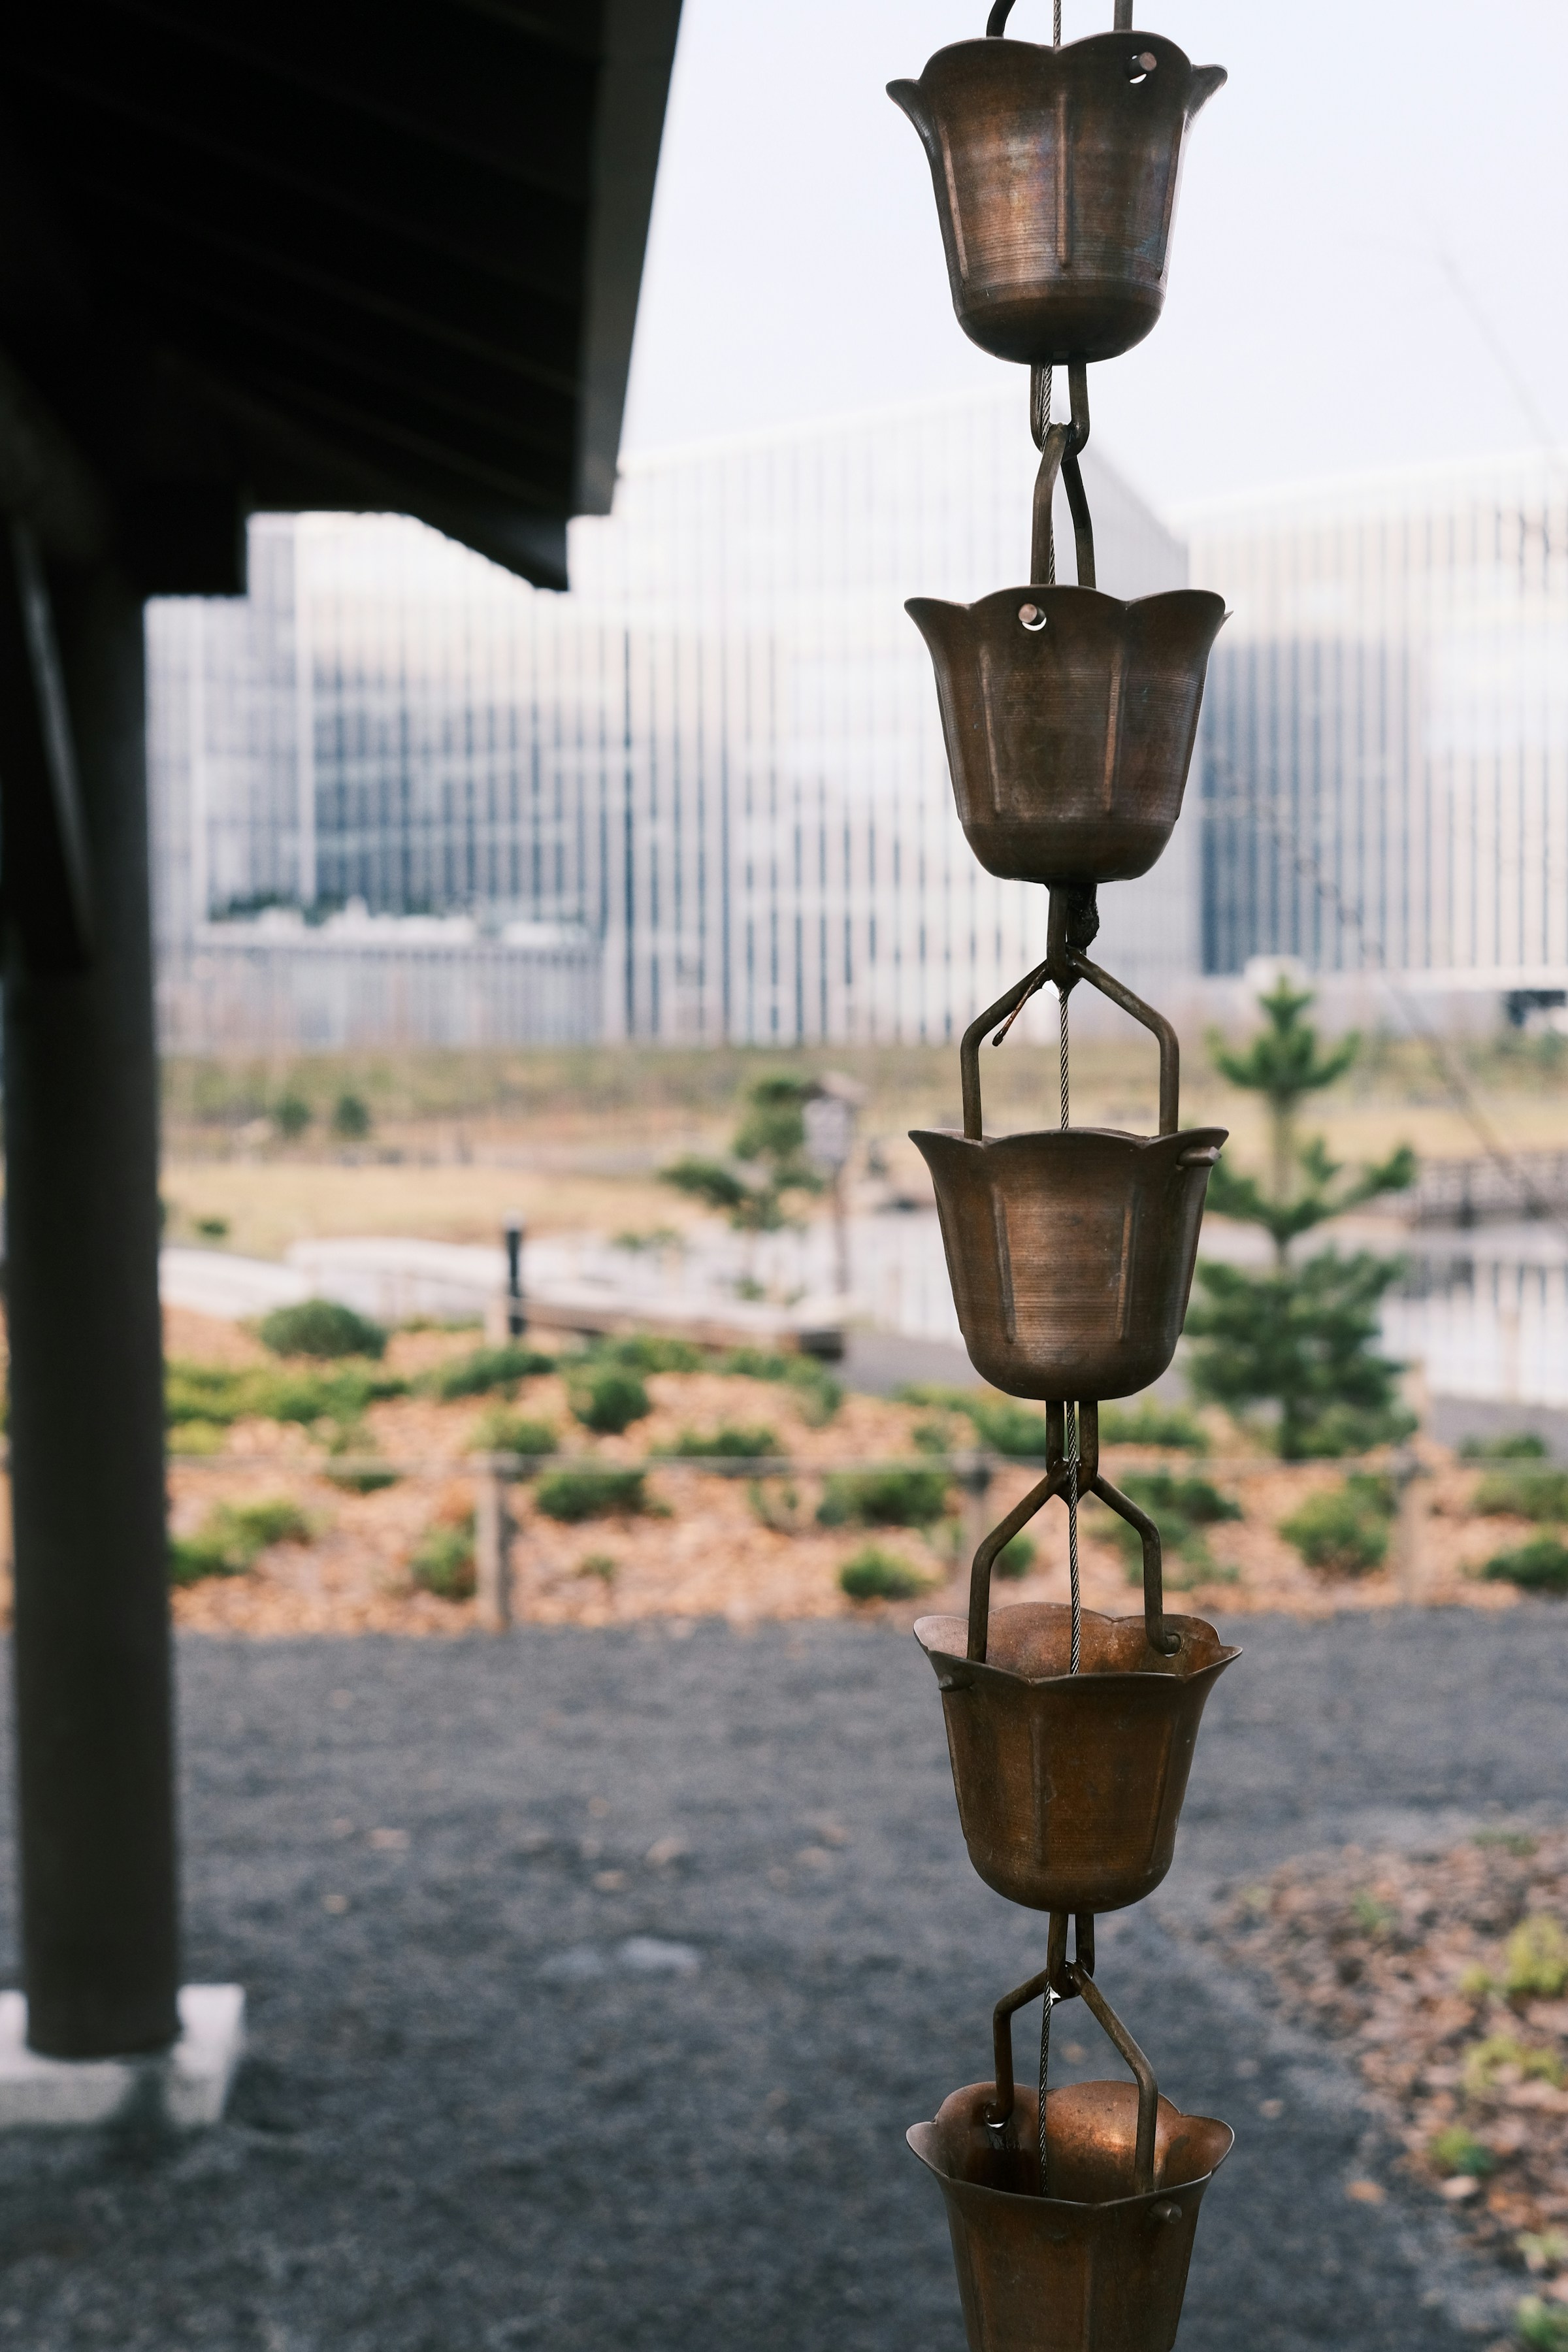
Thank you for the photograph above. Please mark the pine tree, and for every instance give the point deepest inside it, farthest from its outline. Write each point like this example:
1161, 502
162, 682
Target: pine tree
1302, 1337
768, 1160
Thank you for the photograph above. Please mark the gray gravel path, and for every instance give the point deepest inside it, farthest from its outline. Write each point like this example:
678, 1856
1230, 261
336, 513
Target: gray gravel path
481, 2112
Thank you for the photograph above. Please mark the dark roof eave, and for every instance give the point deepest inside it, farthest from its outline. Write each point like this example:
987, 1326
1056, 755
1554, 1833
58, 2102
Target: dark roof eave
639, 52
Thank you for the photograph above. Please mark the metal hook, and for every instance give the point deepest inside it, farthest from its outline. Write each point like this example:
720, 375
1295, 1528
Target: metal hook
996, 22
1057, 1477
1164, 1645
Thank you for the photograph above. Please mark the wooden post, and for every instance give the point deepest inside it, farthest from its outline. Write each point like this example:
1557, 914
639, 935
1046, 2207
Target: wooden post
99, 1942
492, 1551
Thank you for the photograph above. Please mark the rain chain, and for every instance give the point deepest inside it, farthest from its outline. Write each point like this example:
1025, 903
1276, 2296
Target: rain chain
1069, 718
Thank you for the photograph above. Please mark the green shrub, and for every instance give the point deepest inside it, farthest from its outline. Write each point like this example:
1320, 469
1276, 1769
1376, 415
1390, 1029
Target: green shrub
599, 1564
882, 1499
937, 1437
482, 1371
442, 1561
217, 1394
1191, 1499
609, 1400
322, 1328
726, 1444
646, 1352
291, 1115
776, 1502
1152, 1424
1456, 2150
232, 1537
365, 1478
1513, 1445
593, 1492
1008, 1428
199, 1437
1484, 2060
819, 1394
351, 1118
876, 1575
1344, 1530
499, 1431
1522, 1494
1015, 1558
213, 1229
1542, 2326
1538, 1565
1537, 1956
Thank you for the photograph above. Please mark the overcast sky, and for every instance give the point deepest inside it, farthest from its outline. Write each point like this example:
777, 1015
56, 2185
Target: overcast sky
1369, 260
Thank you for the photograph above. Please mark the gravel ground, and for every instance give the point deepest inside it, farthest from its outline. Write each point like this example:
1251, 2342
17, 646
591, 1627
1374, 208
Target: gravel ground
594, 1976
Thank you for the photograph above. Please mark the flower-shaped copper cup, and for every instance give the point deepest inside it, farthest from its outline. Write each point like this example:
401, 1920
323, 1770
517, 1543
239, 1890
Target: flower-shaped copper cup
1069, 1787
1056, 174
1069, 718
1071, 1252
1099, 2265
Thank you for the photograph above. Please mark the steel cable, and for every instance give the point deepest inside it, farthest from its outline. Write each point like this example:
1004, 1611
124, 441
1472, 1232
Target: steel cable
1070, 1429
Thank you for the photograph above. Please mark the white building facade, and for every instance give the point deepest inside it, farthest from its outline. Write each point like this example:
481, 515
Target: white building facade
708, 784
1385, 745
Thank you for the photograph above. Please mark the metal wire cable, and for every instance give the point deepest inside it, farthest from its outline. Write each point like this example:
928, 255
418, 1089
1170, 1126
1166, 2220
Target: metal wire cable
1056, 24
1039, 425
1064, 1069
1047, 2005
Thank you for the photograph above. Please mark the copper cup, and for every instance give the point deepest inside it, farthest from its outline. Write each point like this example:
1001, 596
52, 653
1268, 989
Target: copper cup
1071, 1252
1056, 174
1070, 732
1069, 1787
1099, 2265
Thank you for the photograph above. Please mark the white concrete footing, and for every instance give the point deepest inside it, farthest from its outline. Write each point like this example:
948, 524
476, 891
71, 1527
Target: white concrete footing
184, 2087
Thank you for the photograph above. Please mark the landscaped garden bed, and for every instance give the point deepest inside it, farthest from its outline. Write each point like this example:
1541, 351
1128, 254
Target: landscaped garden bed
1445, 1976
320, 1493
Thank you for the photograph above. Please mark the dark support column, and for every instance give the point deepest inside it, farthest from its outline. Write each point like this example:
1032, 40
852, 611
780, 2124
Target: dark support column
93, 1696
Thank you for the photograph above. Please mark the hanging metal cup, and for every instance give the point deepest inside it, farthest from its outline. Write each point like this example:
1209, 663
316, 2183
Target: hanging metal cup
1069, 1787
1070, 1251
1099, 2263
1069, 718
1056, 174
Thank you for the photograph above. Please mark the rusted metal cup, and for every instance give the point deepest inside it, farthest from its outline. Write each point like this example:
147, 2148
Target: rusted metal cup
1069, 1787
1071, 1252
1099, 2265
1069, 718
1056, 174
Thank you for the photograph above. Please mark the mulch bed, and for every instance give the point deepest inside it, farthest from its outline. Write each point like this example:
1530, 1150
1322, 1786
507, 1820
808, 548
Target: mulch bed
705, 1547
1446, 1975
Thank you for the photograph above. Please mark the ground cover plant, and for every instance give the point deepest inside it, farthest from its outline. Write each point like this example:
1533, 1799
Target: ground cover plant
1513, 1445
1345, 1530
1446, 1975
1538, 1565
321, 1327
594, 1491
607, 1399
482, 1371
1522, 1491
1182, 1507
216, 1395
876, 1575
442, 1562
731, 1443
233, 1536
500, 1432
891, 1497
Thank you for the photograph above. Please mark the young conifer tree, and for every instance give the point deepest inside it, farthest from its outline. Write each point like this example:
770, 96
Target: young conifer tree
1302, 1336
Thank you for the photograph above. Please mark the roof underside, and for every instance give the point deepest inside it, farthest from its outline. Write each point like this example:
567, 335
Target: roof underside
332, 255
